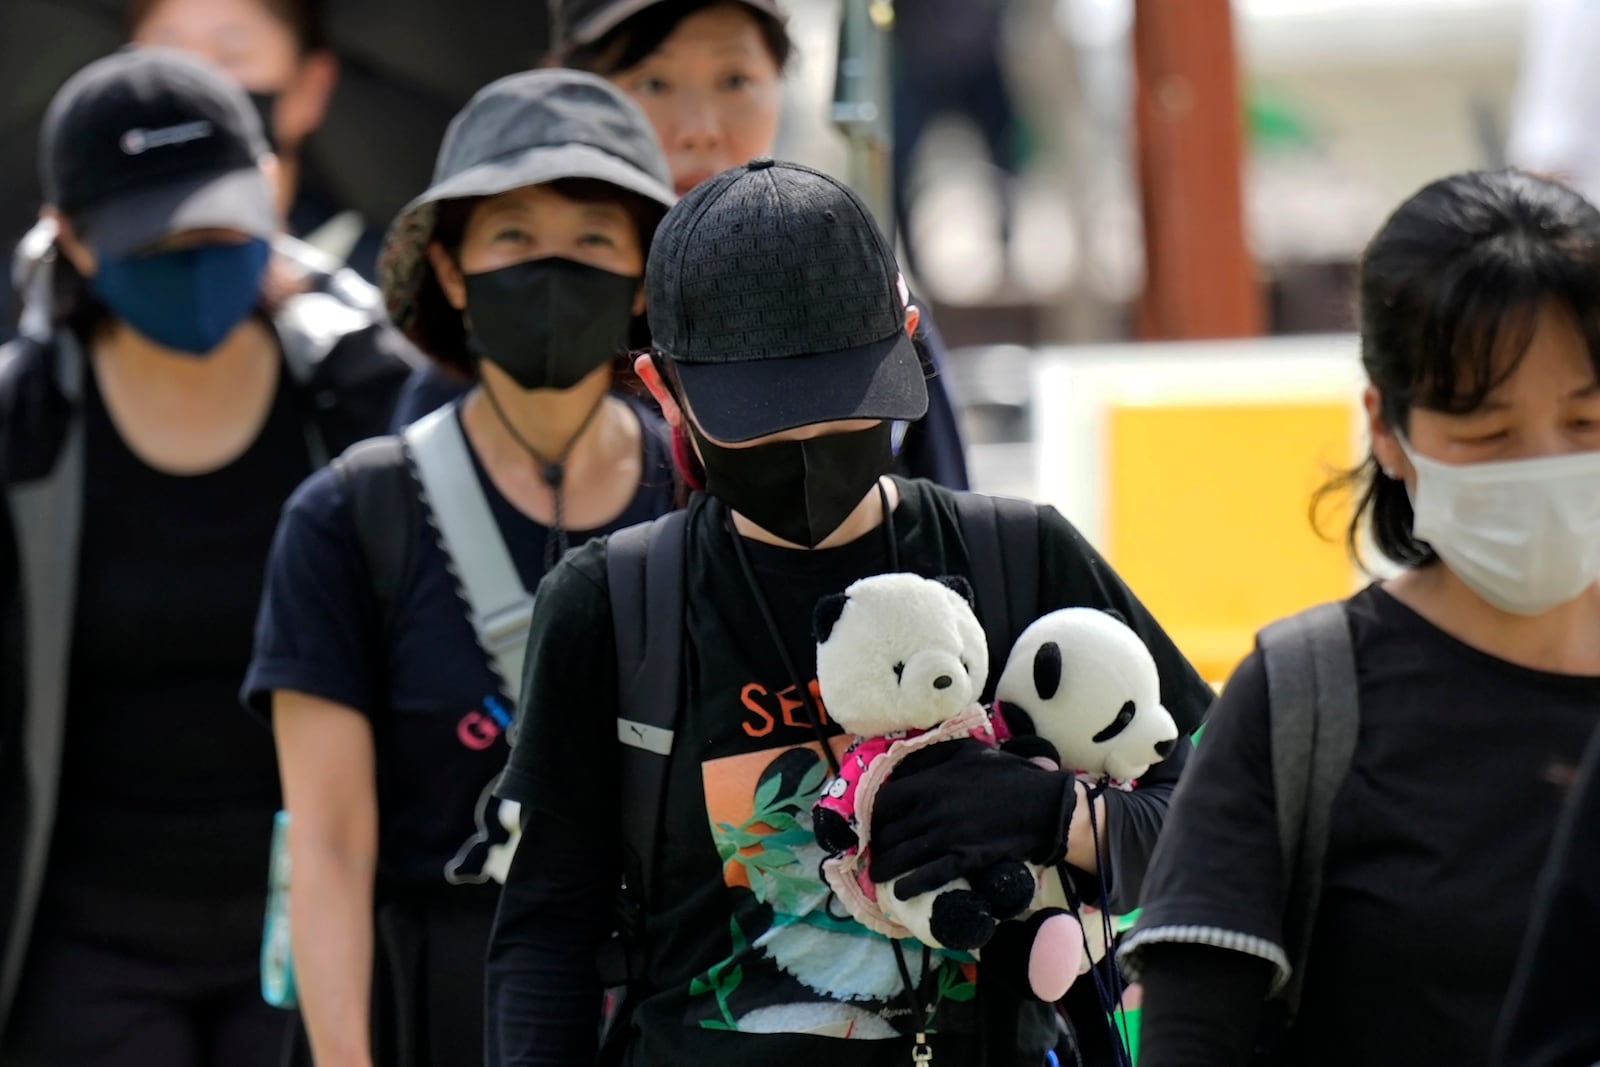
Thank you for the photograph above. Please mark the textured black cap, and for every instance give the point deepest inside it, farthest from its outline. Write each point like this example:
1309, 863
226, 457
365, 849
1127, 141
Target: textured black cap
775, 294
526, 129
151, 141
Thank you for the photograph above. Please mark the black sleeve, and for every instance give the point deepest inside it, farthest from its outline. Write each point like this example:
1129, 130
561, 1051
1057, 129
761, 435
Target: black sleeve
1074, 574
318, 629
1217, 874
932, 448
556, 907
1550, 1018
1201, 1006
1134, 819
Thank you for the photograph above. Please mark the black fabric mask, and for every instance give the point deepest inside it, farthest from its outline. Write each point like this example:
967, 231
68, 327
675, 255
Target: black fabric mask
266, 105
550, 322
803, 490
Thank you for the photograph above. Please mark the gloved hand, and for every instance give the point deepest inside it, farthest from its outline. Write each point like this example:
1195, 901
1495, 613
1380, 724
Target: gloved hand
961, 810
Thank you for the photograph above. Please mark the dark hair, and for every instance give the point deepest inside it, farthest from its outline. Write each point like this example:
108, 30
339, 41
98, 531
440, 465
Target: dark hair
1450, 292
305, 19
437, 328
637, 37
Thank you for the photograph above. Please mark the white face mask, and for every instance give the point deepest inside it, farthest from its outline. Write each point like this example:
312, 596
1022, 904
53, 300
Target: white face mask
1523, 534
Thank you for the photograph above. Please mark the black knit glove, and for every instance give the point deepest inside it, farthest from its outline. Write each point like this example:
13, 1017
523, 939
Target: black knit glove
961, 808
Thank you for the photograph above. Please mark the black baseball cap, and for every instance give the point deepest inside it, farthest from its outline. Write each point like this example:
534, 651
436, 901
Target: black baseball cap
586, 21
525, 129
149, 142
776, 296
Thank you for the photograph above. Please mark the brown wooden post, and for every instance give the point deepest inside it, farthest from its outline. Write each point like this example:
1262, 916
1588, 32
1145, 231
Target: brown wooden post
1200, 280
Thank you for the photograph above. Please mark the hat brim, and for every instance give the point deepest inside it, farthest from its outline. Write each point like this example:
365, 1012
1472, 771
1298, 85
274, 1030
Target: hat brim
229, 200
604, 21
736, 402
402, 260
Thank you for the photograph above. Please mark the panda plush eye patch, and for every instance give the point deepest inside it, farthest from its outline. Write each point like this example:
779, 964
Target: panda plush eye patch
1119, 724
1047, 670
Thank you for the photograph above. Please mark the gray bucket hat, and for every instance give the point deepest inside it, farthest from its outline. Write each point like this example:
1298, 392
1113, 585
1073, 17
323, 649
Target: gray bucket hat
526, 129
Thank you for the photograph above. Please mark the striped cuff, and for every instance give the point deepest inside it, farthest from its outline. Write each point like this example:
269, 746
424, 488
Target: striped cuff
1215, 936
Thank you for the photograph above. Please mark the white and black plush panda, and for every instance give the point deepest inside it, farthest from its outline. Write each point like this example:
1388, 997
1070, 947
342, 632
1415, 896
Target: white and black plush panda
1081, 679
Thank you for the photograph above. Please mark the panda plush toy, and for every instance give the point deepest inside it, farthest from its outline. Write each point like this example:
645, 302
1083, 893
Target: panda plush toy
1081, 681
901, 664
1081, 692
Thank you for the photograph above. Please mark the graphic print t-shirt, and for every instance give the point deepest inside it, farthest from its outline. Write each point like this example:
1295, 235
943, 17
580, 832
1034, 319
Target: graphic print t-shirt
438, 713
746, 938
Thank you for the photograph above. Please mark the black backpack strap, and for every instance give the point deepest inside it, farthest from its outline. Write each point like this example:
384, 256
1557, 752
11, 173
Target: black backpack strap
387, 510
1002, 540
644, 572
1313, 702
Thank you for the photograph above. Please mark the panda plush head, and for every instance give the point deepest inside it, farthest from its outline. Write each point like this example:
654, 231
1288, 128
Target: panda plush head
1083, 681
899, 652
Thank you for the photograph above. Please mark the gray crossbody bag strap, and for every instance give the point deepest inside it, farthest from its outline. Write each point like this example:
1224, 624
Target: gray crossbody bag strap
498, 604
1313, 699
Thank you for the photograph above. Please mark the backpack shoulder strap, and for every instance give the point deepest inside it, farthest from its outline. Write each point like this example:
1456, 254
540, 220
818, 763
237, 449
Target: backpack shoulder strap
500, 606
384, 505
644, 573
1315, 718
1002, 540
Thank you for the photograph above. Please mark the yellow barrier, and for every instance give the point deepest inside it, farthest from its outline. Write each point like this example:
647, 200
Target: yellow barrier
1192, 466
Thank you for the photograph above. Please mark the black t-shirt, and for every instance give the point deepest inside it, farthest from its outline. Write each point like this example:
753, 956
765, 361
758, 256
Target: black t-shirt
1438, 834
437, 710
750, 961
166, 789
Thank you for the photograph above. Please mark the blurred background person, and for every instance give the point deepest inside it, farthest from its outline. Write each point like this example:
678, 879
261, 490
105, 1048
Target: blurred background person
148, 439
278, 51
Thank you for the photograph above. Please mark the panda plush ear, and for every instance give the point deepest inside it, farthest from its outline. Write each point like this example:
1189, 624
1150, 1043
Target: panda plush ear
826, 615
1119, 616
962, 587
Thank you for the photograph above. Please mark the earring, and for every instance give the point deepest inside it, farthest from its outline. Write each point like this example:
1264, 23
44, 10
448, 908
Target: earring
1388, 472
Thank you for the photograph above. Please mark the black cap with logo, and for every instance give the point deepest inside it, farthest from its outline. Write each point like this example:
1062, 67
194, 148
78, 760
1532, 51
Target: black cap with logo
776, 296
149, 142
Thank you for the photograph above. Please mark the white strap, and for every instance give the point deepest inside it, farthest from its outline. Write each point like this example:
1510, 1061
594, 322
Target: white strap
498, 604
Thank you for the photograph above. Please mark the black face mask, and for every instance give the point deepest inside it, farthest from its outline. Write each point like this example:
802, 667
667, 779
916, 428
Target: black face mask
801, 491
266, 105
549, 323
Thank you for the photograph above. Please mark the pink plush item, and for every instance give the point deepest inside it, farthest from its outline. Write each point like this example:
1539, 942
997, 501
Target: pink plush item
846, 874
1056, 958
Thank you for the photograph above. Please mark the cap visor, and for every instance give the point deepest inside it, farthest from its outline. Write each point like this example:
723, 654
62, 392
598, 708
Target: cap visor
536, 166
231, 200
740, 401
609, 18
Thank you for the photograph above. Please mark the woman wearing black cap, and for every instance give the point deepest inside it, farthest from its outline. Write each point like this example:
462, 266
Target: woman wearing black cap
782, 350
387, 655
153, 419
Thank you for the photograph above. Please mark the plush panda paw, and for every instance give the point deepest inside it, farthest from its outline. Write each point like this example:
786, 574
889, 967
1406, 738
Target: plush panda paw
1008, 886
961, 920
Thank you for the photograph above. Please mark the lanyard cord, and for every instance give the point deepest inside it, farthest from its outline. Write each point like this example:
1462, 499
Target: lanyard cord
1108, 987
803, 691
921, 1051
553, 471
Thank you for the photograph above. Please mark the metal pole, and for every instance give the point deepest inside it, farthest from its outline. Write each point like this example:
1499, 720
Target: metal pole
861, 102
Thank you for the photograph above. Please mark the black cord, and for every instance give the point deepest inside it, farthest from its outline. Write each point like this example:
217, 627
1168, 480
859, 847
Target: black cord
803, 691
922, 1052
1109, 995
553, 471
